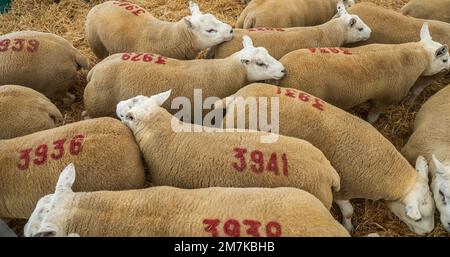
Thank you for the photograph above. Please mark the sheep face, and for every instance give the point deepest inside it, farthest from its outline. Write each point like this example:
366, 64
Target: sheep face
416, 209
134, 111
258, 63
441, 191
207, 30
45, 220
438, 53
356, 29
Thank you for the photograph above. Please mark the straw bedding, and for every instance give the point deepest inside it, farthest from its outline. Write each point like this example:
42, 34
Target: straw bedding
67, 20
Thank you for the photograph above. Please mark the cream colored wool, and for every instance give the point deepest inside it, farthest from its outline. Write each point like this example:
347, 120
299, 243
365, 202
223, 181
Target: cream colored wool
204, 159
108, 160
51, 69
281, 42
369, 165
428, 9
431, 129
24, 111
391, 27
168, 211
287, 13
112, 29
383, 74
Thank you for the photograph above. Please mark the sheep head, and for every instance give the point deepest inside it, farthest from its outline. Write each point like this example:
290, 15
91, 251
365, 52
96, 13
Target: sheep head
259, 64
356, 29
438, 53
441, 191
206, 29
46, 219
416, 208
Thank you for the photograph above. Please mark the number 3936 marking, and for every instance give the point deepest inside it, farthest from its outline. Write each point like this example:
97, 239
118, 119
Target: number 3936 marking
41, 152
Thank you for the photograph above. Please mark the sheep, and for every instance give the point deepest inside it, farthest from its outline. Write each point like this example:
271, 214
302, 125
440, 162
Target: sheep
431, 139
123, 76
25, 111
117, 27
167, 211
369, 166
380, 74
429, 9
42, 61
30, 164
391, 27
279, 42
204, 159
288, 13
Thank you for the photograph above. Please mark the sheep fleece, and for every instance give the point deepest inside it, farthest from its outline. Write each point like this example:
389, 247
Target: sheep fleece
369, 165
203, 159
431, 129
109, 159
166, 211
428, 9
50, 67
115, 79
24, 111
382, 73
286, 13
282, 41
391, 27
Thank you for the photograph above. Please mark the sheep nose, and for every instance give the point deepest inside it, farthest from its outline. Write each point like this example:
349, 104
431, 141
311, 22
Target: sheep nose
284, 71
231, 31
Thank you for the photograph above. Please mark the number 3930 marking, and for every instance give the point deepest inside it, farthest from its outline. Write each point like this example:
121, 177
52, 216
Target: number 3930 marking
233, 227
41, 152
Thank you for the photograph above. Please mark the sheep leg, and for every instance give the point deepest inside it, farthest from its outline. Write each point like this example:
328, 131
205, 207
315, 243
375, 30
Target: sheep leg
418, 87
375, 111
68, 99
347, 212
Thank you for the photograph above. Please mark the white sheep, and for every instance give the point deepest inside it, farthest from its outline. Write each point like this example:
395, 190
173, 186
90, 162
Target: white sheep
288, 13
180, 158
42, 61
431, 138
369, 165
380, 74
428, 9
344, 29
123, 76
118, 27
168, 211
29, 165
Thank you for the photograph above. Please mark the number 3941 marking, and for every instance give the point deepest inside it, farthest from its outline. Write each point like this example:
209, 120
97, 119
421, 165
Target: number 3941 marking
41, 152
258, 162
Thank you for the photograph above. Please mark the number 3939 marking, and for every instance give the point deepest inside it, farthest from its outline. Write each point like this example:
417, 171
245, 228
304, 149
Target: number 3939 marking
41, 152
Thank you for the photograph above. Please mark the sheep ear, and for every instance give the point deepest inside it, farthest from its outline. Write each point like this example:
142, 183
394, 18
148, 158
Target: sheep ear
422, 167
188, 22
341, 9
443, 50
161, 98
247, 42
194, 8
66, 179
425, 33
412, 211
440, 168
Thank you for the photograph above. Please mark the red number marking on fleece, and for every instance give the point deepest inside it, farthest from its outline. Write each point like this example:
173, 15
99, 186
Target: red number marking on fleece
302, 96
258, 164
41, 152
232, 228
18, 45
134, 57
134, 9
329, 50
266, 29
